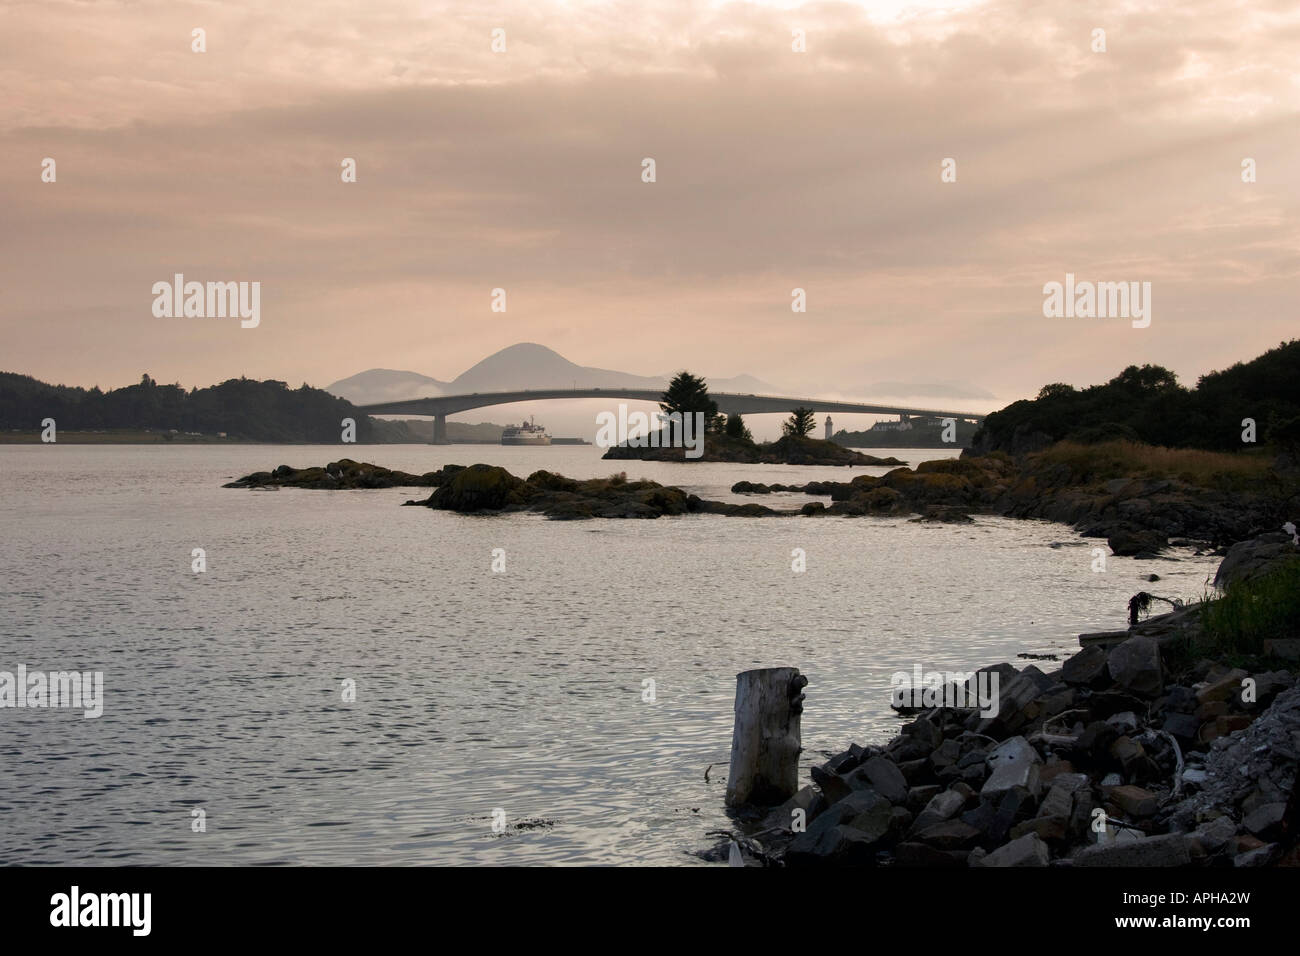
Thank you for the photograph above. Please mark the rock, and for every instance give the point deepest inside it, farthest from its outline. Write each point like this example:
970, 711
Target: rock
1181, 699
1252, 558
1265, 821
1058, 803
1135, 666
1133, 758
844, 832
1093, 746
1014, 763
842, 763
918, 798
859, 809
1134, 541
1223, 726
1168, 850
1261, 856
1184, 727
1214, 835
1050, 771
1226, 687
807, 799
882, 775
1013, 695
835, 787
949, 835
1086, 667
1041, 680
1027, 850
946, 754
995, 816
1134, 801
1211, 709
478, 488
943, 806
837, 844
1049, 829
1268, 685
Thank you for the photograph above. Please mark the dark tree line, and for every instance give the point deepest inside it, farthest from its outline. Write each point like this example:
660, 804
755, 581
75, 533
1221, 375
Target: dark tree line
1148, 404
243, 408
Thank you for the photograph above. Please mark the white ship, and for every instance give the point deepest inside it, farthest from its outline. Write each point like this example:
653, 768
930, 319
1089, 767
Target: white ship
529, 433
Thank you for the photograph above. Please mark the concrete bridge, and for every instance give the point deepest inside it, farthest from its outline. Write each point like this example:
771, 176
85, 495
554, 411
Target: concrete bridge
728, 403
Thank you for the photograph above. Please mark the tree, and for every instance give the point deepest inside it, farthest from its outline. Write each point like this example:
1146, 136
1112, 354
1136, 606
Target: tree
1144, 380
1055, 389
735, 428
800, 423
687, 395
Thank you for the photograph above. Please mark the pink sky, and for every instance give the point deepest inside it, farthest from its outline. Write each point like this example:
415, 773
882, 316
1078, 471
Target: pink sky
522, 170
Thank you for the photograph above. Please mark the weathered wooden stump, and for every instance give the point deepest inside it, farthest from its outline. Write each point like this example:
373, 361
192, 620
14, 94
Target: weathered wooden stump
765, 743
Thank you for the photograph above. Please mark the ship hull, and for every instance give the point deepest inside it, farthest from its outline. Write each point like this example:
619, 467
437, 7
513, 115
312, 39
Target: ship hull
545, 440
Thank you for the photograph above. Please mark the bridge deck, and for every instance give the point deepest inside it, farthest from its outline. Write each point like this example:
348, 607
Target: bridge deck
728, 403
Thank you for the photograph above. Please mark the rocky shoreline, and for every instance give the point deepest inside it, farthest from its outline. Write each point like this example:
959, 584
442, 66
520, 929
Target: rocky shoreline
1138, 516
1133, 753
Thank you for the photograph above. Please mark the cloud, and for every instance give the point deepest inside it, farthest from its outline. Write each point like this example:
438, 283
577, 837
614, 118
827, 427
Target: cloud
775, 170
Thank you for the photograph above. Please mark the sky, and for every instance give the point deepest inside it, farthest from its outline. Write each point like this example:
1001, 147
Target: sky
522, 170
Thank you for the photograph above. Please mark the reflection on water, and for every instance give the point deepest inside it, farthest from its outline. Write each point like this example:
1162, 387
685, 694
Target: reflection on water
474, 690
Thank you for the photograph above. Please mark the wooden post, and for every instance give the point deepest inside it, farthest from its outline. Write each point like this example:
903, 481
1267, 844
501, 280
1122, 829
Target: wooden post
765, 743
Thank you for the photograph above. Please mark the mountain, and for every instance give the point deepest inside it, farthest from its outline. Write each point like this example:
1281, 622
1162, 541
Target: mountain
524, 365
385, 385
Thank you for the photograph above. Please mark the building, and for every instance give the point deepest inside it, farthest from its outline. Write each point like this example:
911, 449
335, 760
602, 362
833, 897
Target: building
830, 429
902, 425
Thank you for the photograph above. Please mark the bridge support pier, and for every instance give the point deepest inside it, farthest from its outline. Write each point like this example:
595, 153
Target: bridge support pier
440, 429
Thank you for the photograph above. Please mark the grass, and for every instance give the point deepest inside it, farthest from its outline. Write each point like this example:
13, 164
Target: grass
1129, 459
1251, 612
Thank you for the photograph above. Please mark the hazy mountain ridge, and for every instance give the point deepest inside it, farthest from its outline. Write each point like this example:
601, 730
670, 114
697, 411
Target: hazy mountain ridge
524, 365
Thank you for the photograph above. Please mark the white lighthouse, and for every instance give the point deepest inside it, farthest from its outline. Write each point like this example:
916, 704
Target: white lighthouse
829, 428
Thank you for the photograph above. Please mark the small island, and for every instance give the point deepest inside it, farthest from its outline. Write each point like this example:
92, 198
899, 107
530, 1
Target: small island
726, 438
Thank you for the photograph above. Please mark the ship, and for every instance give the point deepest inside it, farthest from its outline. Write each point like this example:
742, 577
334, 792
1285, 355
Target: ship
529, 433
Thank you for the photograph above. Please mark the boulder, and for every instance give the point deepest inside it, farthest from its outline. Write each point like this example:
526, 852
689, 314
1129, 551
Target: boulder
1250, 559
835, 787
1134, 801
1127, 542
1225, 687
844, 832
478, 488
1135, 666
1086, 667
1014, 763
943, 806
1027, 850
1265, 821
949, 835
1265, 855
1168, 850
882, 775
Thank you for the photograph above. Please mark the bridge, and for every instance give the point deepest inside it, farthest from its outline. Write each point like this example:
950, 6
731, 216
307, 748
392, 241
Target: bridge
728, 403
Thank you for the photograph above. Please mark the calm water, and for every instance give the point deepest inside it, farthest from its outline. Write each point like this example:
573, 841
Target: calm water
475, 690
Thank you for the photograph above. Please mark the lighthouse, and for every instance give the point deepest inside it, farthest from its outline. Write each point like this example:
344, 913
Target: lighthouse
829, 428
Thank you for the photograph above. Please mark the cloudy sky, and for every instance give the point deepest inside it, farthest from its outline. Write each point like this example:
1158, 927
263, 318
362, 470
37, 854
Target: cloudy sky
521, 169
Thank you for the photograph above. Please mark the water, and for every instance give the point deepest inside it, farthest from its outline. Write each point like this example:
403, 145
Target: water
475, 690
